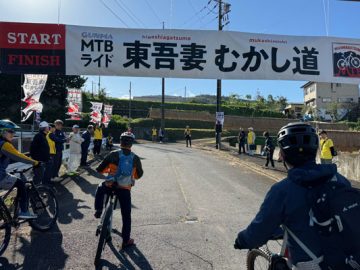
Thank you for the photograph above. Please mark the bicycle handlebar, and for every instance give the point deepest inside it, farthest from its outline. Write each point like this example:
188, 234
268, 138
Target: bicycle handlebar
26, 169
21, 171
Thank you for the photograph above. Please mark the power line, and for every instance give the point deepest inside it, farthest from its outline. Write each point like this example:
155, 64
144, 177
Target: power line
209, 22
153, 11
112, 12
128, 11
197, 13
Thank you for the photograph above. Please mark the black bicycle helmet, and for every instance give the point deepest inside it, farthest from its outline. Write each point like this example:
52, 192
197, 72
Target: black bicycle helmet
298, 142
127, 139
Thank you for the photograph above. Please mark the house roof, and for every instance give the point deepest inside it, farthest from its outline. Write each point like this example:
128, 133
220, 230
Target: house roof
307, 84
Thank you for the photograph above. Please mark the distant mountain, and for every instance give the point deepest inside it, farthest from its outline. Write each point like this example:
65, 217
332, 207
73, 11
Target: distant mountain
204, 99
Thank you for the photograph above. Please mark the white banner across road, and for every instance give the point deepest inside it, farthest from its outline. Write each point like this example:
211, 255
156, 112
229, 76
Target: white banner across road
82, 50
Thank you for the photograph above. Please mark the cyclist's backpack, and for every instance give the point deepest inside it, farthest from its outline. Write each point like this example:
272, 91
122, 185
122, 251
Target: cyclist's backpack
335, 215
125, 166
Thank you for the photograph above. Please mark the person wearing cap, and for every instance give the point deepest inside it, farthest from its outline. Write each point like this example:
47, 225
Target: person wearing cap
327, 150
75, 141
251, 141
8, 152
40, 150
59, 139
85, 144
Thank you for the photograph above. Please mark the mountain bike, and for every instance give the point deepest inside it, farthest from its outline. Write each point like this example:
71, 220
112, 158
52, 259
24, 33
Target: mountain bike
42, 202
349, 61
104, 229
264, 259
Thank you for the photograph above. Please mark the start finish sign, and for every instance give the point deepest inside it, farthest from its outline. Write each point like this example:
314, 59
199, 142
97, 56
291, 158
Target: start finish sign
81, 50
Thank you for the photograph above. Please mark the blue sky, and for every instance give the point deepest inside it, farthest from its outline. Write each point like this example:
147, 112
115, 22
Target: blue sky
291, 17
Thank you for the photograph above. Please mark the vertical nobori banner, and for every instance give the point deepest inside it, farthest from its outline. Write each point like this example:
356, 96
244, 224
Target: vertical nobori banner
74, 99
32, 48
33, 87
95, 115
107, 115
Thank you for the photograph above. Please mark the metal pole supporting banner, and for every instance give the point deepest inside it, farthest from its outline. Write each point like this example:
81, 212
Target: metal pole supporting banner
218, 83
130, 105
163, 99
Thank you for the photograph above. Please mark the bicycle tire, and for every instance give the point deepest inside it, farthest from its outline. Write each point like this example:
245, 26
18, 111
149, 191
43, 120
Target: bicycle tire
42, 222
104, 234
6, 230
253, 255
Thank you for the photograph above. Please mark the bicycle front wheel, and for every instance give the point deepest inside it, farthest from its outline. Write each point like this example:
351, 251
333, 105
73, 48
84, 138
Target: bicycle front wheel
258, 259
5, 234
105, 234
45, 205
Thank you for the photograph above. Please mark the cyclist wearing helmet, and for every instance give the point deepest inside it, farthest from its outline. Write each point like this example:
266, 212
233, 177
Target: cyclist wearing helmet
287, 203
123, 167
8, 152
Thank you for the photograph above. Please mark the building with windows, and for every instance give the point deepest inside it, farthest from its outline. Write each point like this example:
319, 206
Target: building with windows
294, 110
324, 99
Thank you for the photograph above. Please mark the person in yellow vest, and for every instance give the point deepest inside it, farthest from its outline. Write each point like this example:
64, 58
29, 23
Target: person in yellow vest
251, 141
187, 134
98, 135
327, 150
154, 134
50, 165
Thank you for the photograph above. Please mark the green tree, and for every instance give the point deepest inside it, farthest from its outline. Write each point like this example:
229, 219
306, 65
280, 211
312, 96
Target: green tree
281, 103
233, 99
53, 97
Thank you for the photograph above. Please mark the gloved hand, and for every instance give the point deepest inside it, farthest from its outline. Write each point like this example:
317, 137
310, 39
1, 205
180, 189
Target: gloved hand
237, 244
37, 164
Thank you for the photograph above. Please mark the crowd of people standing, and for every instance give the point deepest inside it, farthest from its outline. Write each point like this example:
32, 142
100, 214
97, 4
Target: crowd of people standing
326, 147
47, 147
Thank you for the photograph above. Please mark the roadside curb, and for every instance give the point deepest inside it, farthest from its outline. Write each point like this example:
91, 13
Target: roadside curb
273, 175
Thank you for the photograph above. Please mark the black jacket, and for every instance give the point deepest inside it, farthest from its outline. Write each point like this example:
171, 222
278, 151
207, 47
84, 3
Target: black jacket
242, 136
269, 145
87, 139
39, 148
59, 138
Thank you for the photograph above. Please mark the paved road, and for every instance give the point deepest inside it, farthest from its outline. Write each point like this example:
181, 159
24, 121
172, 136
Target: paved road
187, 210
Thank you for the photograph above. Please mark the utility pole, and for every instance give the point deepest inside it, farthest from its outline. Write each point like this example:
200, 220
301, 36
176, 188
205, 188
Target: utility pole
92, 88
130, 105
185, 93
218, 82
163, 98
99, 85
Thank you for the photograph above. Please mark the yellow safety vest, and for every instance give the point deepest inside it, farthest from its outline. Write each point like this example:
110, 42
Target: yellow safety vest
51, 144
325, 145
98, 134
250, 137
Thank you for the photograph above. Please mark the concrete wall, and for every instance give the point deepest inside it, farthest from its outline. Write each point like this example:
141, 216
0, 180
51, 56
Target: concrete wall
233, 122
347, 141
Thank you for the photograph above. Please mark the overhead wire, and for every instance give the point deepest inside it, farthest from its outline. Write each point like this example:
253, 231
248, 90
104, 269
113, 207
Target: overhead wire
153, 11
112, 12
325, 18
129, 12
195, 16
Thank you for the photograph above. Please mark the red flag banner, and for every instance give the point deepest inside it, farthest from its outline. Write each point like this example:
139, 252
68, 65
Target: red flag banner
74, 99
107, 115
33, 86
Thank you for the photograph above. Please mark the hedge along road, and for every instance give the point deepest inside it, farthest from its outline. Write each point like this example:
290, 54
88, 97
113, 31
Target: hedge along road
186, 212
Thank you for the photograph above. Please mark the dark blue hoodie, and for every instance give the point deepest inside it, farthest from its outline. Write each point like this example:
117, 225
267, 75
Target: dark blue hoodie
286, 204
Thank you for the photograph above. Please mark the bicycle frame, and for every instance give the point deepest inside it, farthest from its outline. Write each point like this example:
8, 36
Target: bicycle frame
12, 218
110, 201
